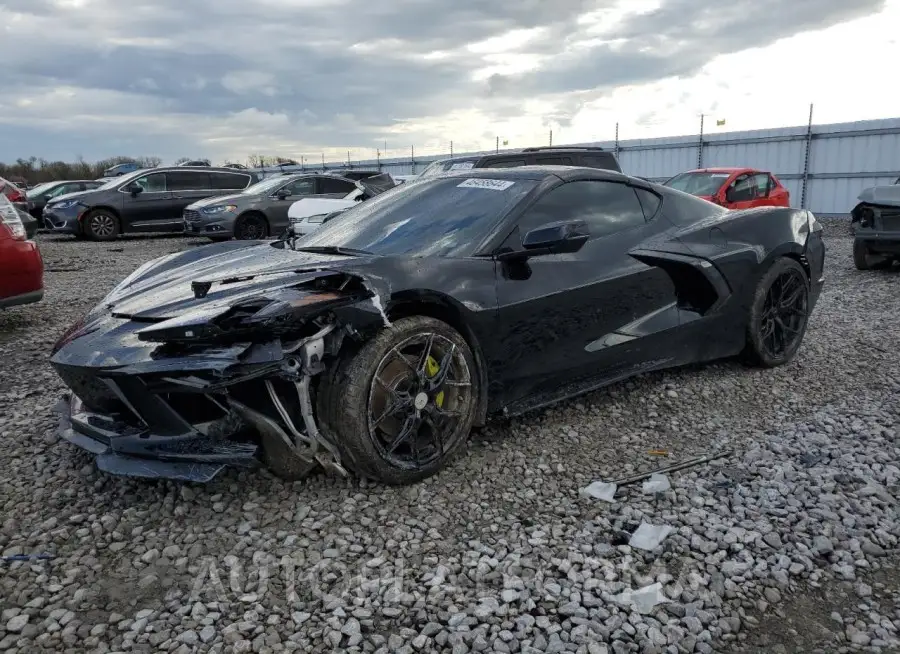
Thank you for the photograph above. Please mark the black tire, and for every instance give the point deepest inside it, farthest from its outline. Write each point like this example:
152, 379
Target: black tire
775, 331
865, 260
350, 397
251, 227
100, 225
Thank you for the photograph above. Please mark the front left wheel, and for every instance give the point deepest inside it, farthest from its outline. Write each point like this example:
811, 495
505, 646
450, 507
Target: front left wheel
401, 406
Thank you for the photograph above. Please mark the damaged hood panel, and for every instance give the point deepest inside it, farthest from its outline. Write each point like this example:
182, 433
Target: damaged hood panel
882, 195
227, 278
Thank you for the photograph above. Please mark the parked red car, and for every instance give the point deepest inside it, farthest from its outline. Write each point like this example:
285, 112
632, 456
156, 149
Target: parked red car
21, 266
733, 188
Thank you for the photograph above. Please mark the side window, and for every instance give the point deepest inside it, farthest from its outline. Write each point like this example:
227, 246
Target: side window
331, 185
555, 160
62, 189
506, 163
649, 202
302, 186
229, 181
606, 207
741, 190
188, 180
153, 183
761, 183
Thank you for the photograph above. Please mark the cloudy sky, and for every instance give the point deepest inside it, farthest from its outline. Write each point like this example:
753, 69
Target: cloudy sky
227, 78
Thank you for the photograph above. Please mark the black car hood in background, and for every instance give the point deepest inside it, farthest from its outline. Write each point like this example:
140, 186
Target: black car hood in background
235, 273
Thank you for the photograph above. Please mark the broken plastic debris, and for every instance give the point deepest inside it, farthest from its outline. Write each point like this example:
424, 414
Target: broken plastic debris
600, 490
657, 484
643, 599
658, 453
648, 537
376, 301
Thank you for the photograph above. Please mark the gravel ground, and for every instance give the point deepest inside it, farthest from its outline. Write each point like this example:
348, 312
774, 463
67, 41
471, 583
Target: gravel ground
788, 545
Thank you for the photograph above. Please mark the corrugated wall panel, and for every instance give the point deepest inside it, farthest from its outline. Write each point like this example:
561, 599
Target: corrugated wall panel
840, 156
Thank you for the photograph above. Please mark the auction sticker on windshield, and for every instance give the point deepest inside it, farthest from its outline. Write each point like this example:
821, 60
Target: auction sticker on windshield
465, 165
491, 184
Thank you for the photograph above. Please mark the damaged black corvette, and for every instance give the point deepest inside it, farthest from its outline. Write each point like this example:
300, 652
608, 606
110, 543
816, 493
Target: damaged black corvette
375, 344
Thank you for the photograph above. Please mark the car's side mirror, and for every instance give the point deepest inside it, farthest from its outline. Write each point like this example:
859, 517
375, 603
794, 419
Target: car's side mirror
283, 194
556, 238
134, 189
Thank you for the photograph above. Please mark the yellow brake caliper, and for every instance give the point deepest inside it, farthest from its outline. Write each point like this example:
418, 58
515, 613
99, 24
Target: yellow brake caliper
431, 369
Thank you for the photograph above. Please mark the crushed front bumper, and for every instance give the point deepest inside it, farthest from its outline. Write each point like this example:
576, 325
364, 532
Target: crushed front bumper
879, 241
121, 449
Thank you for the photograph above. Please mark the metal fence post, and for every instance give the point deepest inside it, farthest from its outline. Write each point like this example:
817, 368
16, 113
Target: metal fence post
497, 147
617, 140
700, 145
806, 158
412, 158
451, 148
551, 138
323, 161
378, 159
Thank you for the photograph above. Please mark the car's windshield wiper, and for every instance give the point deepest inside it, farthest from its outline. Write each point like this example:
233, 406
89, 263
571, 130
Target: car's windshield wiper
332, 249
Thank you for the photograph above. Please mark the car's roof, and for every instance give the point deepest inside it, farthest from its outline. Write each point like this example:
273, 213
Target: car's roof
541, 172
724, 169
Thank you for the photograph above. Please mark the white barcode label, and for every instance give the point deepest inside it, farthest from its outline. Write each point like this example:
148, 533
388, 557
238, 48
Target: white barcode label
465, 165
491, 184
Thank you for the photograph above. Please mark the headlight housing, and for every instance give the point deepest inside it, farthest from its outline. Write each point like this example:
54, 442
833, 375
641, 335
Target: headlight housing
224, 208
65, 204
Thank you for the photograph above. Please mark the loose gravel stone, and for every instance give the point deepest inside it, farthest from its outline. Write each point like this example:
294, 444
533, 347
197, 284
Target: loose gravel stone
498, 552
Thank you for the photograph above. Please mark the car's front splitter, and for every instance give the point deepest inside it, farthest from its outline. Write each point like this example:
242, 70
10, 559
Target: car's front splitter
122, 450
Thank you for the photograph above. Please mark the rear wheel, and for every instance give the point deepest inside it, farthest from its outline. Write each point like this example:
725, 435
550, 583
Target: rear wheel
402, 405
251, 227
779, 314
100, 225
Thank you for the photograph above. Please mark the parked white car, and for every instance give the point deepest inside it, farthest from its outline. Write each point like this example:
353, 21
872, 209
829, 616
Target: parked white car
307, 215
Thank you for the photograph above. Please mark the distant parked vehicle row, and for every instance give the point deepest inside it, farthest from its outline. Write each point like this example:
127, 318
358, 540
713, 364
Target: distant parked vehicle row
262, 209
38, 196
150, 200
733, 188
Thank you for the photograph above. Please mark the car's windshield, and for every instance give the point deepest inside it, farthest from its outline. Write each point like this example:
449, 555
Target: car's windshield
266, 185
442, 166
121, 179
698, 183
35, 191
440, 217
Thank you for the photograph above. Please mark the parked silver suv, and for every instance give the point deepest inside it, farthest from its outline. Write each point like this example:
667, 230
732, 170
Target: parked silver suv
260, 210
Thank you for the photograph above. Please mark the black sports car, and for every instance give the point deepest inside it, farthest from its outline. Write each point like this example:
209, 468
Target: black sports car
377, 342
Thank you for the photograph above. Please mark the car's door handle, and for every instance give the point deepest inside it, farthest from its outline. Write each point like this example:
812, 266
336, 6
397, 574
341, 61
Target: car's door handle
177, 197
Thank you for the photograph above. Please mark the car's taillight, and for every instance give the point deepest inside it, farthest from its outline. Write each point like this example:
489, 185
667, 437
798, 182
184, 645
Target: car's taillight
15, 195
9, 218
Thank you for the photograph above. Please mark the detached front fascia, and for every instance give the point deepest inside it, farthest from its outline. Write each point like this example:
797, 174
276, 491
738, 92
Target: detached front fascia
183, 397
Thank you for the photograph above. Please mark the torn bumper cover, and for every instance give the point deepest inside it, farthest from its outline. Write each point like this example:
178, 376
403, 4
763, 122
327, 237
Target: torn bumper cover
184, 397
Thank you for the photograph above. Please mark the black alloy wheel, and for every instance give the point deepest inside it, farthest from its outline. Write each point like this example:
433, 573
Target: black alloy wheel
415, 400
251, 228
402, 404
779, 314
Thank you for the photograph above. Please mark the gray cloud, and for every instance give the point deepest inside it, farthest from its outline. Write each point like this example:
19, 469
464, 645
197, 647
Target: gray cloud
345, 73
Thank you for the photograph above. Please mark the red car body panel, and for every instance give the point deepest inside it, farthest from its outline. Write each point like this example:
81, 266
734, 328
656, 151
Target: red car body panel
21, 270
752, 192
